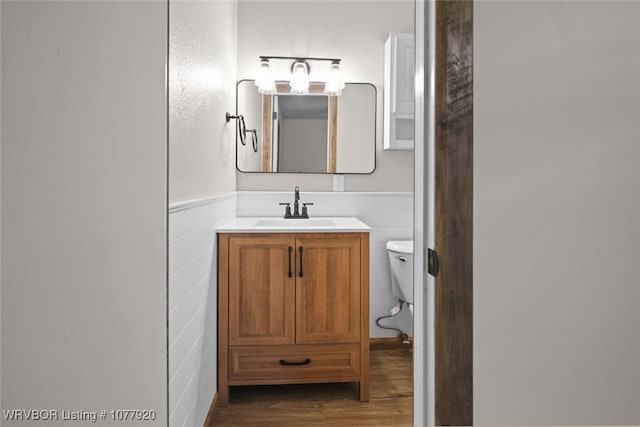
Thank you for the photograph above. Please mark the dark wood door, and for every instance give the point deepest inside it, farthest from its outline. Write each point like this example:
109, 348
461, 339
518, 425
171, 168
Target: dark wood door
453, 212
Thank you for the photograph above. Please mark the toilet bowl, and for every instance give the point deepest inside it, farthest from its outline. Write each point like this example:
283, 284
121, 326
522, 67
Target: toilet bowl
401, 262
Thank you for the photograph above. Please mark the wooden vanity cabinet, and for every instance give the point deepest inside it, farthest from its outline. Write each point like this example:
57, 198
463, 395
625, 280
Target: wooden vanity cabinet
293, 308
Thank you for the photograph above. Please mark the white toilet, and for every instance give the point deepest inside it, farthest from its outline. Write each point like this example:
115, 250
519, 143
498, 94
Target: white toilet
401, 261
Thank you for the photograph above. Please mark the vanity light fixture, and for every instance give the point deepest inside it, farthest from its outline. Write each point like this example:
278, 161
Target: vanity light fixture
299, 78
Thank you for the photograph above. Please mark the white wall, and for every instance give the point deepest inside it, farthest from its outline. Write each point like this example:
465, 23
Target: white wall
354, 31
557, 213
193, 307
202, 77
84, 207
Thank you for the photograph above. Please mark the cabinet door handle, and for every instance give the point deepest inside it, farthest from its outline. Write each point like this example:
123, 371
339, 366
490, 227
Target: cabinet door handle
290, 249
297, 363
300, 248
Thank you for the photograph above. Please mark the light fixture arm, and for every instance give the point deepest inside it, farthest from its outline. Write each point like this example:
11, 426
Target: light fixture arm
302, 58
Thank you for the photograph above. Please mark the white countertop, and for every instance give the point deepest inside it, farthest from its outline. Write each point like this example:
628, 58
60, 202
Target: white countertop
281, 225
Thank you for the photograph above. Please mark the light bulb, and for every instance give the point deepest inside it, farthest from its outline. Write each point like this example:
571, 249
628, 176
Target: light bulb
335, 82
299, 82
265, 82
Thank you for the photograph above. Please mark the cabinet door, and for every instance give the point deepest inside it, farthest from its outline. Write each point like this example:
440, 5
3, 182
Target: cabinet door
399, 94
328, 289
261, 290
403, 74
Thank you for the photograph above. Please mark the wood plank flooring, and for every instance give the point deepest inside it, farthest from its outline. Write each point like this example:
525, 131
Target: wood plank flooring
390, 404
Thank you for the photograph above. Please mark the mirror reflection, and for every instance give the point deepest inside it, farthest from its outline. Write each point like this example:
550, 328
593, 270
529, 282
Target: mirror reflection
311, 133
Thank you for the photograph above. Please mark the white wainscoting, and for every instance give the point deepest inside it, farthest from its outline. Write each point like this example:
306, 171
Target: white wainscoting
390, 216
193, 306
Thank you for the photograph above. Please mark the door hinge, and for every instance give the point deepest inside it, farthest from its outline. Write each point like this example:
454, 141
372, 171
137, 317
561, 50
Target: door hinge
433, 262
275, 116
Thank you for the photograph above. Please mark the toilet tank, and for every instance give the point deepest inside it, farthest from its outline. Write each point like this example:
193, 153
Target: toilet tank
401, 264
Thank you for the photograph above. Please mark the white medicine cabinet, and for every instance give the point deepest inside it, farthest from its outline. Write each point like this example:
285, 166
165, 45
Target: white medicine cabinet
398, 92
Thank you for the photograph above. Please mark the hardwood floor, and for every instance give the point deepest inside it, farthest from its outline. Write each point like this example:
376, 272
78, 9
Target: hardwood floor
390, 404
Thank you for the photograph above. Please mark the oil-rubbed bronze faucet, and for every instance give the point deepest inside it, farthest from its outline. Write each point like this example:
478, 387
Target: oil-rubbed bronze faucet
296, 206
296, 200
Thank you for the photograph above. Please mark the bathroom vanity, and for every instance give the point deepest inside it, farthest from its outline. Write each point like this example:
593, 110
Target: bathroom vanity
293, 302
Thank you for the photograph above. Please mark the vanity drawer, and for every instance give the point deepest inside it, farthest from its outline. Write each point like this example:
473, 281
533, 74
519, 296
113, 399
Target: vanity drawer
286, 364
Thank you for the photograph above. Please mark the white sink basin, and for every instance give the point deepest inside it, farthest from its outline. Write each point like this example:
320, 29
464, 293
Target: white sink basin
308, 222
281, 225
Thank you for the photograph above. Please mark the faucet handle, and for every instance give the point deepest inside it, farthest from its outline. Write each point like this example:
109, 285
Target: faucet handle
287, 210
305, 213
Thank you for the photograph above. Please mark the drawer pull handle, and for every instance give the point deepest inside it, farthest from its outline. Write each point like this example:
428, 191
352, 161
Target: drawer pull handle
290, 249
287, 363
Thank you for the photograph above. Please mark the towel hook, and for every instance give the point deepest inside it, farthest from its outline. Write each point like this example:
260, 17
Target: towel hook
242, 127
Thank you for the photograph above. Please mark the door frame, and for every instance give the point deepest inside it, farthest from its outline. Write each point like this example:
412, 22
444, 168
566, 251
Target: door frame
443, 213
423, 344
